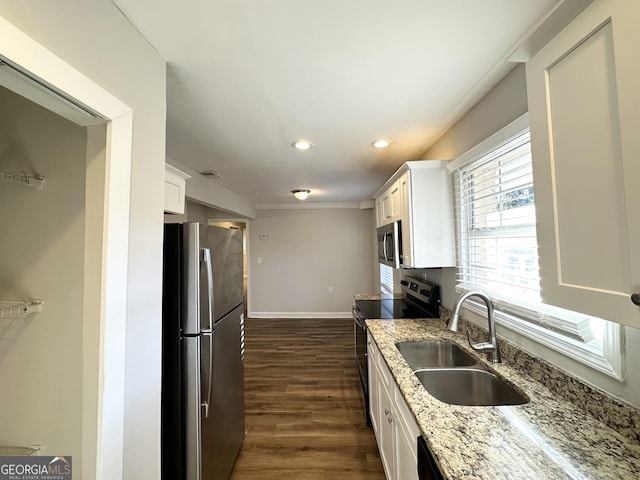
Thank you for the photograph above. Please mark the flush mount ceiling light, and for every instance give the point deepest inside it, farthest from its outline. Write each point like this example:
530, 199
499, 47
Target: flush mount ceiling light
301, 194
302, 145
213, 175
382, 143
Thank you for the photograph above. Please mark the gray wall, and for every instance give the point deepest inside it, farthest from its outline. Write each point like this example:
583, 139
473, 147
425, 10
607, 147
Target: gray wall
42, 256
306, 252
505, 103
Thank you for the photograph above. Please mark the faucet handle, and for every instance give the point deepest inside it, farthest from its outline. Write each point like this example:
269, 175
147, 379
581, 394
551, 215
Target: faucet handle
482, 347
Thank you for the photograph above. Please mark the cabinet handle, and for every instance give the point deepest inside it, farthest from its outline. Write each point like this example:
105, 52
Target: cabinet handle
635, 298
386, 411
390, 419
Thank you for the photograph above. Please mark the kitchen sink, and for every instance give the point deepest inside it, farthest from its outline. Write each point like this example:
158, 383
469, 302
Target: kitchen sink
434, 354
469, 386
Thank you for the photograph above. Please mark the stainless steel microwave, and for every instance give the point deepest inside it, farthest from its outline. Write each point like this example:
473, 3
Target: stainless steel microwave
390, 244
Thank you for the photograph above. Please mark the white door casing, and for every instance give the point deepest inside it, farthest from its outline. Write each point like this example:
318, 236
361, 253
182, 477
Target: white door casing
108, 179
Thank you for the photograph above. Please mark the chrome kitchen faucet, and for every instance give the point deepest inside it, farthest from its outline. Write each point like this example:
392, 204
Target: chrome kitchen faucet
490, 347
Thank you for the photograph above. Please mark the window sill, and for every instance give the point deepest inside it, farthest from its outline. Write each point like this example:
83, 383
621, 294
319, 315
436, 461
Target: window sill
605, 357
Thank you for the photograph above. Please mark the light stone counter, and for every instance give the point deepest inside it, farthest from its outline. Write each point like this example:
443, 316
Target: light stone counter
548, 438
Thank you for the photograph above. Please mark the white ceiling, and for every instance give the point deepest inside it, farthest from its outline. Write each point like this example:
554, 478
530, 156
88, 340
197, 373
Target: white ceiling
245, 78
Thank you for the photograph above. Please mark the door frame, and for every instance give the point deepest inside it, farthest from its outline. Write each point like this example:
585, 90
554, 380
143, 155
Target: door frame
108, 179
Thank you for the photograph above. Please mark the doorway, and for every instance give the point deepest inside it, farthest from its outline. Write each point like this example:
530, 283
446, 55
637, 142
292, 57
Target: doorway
243, 226
106, 169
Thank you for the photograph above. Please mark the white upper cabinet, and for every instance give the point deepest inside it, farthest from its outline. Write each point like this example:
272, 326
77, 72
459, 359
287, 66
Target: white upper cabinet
584, 110
174, 189
389, 205
419, 195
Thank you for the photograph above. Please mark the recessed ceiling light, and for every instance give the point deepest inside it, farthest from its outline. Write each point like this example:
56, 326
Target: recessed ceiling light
301, 194
302, 145
382, 143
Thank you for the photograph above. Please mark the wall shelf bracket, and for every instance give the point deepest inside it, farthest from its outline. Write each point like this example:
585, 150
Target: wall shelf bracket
19, 309
37, 182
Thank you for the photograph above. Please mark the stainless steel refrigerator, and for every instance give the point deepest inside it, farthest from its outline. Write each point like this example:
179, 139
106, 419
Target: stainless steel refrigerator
203, 352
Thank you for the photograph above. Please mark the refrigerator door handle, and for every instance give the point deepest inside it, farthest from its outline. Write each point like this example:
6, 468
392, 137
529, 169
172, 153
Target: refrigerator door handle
207, 377
206, 257
207, 331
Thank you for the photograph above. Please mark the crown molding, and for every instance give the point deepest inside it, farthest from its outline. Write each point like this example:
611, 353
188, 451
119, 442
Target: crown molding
306, 206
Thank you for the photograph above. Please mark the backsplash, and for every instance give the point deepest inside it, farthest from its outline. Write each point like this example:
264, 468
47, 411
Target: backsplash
621, 417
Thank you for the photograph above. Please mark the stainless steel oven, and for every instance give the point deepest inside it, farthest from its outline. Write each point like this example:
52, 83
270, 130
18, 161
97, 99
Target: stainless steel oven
360, 337
422, 300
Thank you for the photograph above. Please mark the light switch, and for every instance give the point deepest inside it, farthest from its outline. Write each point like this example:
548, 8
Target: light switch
259, 259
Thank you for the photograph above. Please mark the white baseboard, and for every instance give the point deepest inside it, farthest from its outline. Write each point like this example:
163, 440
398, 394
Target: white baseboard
299, 315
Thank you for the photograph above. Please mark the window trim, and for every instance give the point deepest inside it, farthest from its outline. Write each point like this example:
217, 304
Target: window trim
609, 360
501, 136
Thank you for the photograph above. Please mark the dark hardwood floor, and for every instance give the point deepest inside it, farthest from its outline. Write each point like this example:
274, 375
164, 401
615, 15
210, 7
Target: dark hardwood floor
304, 415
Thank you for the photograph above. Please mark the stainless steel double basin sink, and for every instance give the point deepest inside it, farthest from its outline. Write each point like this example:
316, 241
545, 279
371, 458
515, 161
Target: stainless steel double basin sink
453, 376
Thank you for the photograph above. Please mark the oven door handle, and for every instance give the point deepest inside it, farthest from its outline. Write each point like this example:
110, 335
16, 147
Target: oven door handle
358, 317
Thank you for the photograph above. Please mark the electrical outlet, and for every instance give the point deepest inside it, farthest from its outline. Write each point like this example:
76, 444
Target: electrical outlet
330, 289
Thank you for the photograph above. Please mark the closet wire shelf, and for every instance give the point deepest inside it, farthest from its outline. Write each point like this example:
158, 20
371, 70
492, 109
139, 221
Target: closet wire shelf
19, 451
14, 316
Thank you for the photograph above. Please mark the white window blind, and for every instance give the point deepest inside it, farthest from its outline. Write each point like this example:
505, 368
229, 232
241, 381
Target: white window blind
386, 278
498, 242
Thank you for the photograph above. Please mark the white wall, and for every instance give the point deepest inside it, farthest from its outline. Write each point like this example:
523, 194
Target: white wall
306, 252
95, 38
42, 256
503, 104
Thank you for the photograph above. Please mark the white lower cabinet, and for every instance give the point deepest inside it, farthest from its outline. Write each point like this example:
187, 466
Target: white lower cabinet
395, 429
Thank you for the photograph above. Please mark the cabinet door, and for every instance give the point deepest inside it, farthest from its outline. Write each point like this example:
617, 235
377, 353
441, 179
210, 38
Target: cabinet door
386, 433
386, 207
430, 240
396, 201
174, 189
584, 110
407, 432
379, 213
406, 221
374, 387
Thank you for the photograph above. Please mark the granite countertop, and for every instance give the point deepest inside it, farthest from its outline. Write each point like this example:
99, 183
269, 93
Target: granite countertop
547, 438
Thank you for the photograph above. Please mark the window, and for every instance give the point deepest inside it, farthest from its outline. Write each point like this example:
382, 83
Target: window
498, 253
386, 278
